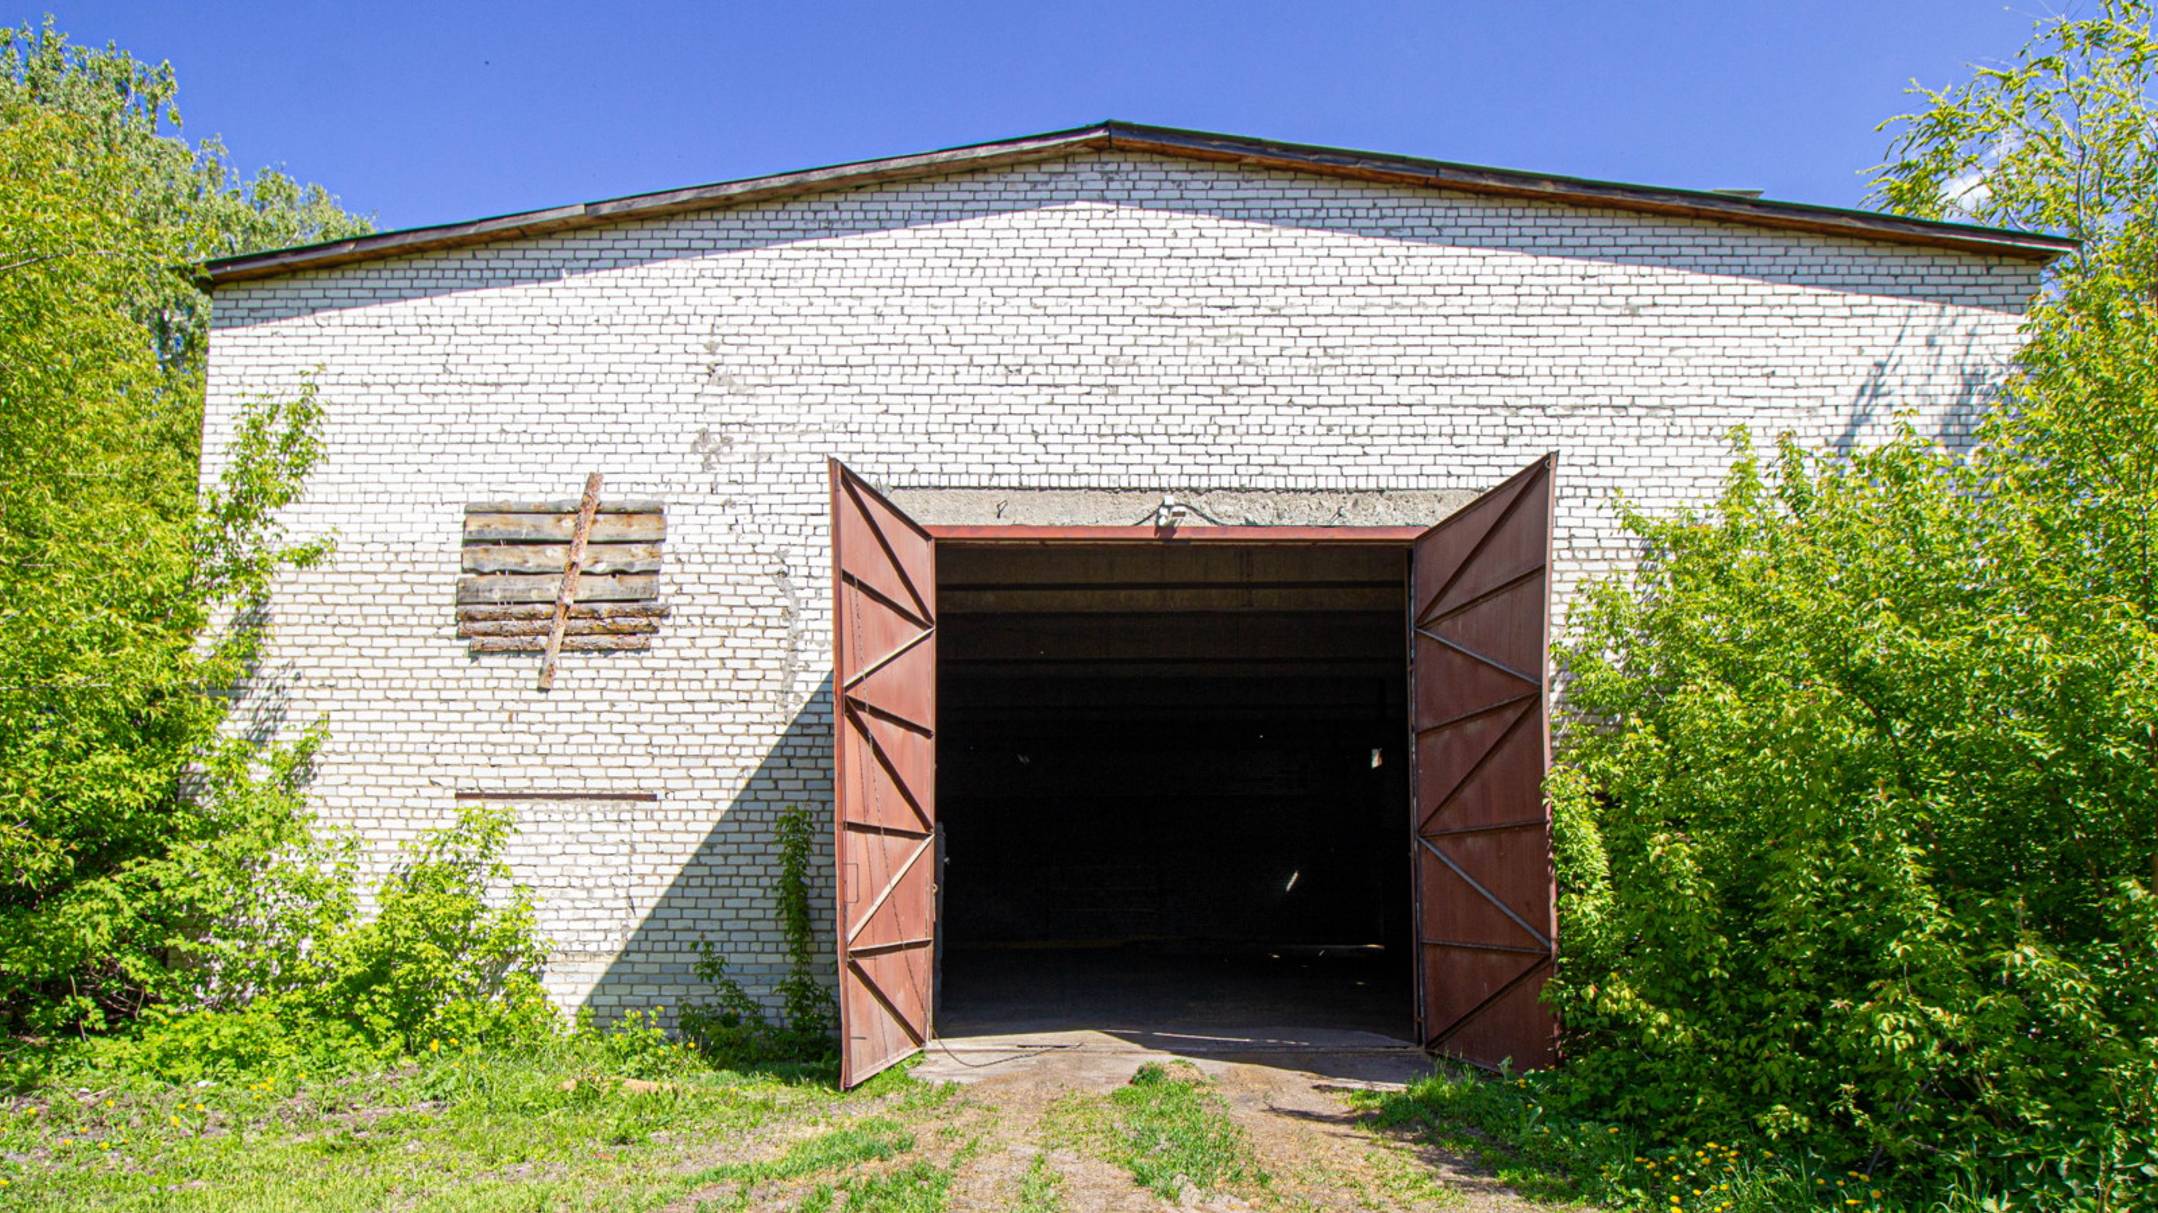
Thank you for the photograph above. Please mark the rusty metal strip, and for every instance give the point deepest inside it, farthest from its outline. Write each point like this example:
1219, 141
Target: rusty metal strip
1485, 893
888, 658
876, 750
891, 557
1518, 824
572, 567
1486, 596
1466, 651
1482, 947
881, 829
897, 945
1425, 612
885, 1000
1013, 532
1497, 743
885, 894
1463, 1020
1486, 710
900, 609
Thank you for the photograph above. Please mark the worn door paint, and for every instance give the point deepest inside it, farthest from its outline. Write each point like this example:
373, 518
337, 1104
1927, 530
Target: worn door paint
884, 692
1486, 917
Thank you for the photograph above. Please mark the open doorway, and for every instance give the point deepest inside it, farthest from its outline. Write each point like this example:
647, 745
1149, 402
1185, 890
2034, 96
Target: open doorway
1172, 788
1161, 674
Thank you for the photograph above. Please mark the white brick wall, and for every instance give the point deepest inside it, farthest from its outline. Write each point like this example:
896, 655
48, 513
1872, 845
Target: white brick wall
1103, 321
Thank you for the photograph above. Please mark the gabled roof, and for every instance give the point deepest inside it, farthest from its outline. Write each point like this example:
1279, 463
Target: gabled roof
1164, 141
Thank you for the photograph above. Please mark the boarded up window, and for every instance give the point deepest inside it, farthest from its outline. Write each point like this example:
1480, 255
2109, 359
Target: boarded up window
515, 555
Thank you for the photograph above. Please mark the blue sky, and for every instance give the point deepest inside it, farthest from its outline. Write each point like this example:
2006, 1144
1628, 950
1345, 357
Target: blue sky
426, 113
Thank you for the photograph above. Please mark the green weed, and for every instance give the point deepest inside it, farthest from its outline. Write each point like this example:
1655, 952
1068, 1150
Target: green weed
1166, 1127
1041, 1189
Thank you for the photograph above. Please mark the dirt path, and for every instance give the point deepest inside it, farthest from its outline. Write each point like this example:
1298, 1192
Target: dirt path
1291, 1104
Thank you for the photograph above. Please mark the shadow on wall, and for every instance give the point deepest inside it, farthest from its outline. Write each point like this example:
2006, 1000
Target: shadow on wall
1937, 356
1402, 215
724, 890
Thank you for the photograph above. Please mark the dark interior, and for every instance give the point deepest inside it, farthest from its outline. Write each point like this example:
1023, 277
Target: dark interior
1172, 789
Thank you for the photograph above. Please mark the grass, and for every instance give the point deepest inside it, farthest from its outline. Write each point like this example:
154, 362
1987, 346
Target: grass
1041, 1189
919, 1187
1508, 1127
466, 1130
1168, 1128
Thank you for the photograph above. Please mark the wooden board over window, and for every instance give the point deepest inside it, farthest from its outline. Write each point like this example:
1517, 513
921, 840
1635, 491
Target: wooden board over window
515, 553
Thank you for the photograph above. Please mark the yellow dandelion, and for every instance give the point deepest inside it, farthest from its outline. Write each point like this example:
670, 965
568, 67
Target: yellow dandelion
434, 1046
175, 1120
104, 1145
198, 1107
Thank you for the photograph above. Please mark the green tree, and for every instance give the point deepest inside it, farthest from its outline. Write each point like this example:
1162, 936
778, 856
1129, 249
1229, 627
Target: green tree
1858, 833
143, 846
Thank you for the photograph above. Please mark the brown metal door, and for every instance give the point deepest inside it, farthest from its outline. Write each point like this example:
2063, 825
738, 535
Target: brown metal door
1486, 918
884, 693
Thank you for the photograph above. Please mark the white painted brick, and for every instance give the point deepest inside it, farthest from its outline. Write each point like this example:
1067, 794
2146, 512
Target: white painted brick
1103, 321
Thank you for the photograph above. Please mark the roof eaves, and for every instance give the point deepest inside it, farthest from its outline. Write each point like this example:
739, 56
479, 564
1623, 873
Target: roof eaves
1169, 141
1581, 191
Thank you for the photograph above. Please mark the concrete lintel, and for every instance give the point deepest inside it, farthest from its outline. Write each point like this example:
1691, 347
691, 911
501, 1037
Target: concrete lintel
1141, 507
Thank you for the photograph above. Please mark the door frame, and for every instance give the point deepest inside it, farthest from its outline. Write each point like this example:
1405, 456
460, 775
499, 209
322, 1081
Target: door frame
1402, 537
1015, 533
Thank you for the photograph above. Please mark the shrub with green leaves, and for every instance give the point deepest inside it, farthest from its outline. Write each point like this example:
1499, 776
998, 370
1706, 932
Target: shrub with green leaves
1857, 820
451, 951
147, 854
1855, 831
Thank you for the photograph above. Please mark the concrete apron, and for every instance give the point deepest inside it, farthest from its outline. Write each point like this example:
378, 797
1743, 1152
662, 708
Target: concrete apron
1090, 1059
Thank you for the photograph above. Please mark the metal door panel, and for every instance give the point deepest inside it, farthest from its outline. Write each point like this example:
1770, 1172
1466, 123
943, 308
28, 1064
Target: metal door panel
884, 690
1485, 903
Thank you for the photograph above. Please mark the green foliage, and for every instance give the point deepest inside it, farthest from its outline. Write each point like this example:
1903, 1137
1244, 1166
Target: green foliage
452, 950
535, 1125
1854, 864
1169, 1128
1519, 1130
147, 854
1858, 831
2057, 140
449, 959
807, 1009
1041, 1189
267, 1036
731, 1027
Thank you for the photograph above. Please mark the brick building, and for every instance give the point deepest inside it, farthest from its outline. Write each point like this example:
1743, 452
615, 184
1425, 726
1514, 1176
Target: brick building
1116, 327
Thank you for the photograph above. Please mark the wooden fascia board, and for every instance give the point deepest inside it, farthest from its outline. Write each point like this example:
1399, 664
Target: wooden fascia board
646, 206
1692, 204
1192, 145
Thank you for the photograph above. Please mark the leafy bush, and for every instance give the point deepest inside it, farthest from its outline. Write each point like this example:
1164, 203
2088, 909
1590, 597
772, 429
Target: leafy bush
138, 827
452, 950
1855, 829
1857, 832
268, 1036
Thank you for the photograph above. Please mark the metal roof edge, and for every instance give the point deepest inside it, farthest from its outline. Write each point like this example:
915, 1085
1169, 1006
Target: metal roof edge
1160, 140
